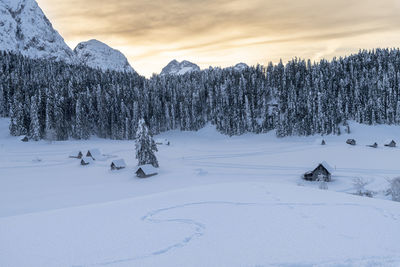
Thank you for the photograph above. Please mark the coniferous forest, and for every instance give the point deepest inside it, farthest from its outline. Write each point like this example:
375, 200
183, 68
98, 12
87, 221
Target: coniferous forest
53, 100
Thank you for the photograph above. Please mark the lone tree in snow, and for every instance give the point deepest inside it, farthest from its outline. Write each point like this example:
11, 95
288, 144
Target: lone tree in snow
145, 146
394, 189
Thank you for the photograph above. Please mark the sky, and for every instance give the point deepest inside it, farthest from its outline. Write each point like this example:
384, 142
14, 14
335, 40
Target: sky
226, 32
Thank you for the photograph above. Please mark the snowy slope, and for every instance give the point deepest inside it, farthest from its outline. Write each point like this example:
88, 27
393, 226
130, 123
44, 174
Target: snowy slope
179, 68
96, 54
234, 224
25, 29
217, 201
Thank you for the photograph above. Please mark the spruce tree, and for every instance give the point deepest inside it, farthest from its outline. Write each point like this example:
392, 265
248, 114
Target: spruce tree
145, 146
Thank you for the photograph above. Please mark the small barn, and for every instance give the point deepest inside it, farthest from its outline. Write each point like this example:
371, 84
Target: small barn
145, 171
76, 155
162, 142
322, 172
391, 144
86, 161
351, 142
118, 164
95, 154
374, 145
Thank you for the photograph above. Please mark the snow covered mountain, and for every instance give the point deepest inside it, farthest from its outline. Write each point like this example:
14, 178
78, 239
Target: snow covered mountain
179, 68
25, 29
96, 54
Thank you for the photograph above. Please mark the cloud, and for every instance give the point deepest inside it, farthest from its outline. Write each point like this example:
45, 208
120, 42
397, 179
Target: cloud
194, 28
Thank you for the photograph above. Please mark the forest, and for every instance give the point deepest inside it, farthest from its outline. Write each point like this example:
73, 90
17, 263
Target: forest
56, 101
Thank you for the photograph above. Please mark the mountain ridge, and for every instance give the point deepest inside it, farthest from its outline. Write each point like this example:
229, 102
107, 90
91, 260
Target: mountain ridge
179, 68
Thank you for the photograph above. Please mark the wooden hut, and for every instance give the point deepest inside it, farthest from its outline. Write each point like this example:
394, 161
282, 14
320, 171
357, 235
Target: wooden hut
76, 155
25, 139
118, 164
86, 161
391, 144
322, 172
351, 142
145, 171
323, 142
375, 145
95, 154
162, 142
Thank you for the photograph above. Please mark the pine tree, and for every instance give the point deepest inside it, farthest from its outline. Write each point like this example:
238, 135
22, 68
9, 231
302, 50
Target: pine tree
145, 146
34, 128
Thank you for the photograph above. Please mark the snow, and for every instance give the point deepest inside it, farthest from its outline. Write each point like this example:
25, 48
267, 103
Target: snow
96, 54
217, 201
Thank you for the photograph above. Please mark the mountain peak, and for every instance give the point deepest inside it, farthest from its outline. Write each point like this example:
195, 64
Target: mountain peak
179, 68
240, 66
96, 54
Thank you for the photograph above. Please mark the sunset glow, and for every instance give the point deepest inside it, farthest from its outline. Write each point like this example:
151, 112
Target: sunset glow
223, 33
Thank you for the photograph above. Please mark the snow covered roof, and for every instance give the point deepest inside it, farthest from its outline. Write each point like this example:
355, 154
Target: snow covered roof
388, 141
148, 169
162, 141
119, 163
327, 167
95, 153
87, 160
75, 153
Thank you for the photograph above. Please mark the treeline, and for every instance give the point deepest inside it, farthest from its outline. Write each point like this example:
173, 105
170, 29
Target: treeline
53, 100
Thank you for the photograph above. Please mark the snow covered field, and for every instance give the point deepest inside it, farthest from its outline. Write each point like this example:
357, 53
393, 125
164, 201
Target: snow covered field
217, 201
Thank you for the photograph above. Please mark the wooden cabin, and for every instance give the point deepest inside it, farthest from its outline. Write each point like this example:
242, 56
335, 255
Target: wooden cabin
86, 161
76, 155
375, 145
351, 142
95, 154
391, 144
322, 172
145, 171
118, 164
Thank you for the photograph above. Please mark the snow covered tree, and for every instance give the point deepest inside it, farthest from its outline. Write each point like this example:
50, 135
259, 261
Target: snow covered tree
394, 189
34, 129
299, 98
145, 146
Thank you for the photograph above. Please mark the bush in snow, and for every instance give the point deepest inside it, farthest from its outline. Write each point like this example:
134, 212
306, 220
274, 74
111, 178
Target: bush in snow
394, 189
323, 185
359, 185
145, 146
